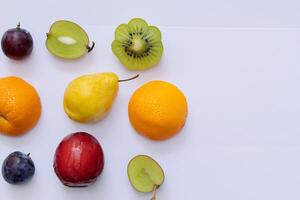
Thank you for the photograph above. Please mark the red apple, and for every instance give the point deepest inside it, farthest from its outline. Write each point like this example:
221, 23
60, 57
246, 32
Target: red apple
78, 160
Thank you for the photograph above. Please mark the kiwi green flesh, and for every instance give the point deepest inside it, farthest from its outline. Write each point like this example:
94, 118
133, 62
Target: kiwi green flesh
137, 24
145, 174
137, 45
67, 40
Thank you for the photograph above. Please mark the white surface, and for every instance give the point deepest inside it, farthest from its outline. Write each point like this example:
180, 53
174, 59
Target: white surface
233, 13
241, 140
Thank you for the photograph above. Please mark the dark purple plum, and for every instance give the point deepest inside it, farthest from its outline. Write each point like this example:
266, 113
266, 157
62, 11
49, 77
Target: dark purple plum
17, 168
17, 43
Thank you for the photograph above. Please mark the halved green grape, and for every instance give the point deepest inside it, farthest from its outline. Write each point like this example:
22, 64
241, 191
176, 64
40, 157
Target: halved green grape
67, 40
137, 45
145, 174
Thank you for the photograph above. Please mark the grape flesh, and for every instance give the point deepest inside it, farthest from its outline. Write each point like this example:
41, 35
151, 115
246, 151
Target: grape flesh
145, 174
68, 40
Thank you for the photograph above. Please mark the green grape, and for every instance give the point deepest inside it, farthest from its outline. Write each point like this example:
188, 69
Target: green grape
145, 174
67, 40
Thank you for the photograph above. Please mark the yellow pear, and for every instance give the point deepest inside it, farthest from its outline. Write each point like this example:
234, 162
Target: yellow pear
88, 98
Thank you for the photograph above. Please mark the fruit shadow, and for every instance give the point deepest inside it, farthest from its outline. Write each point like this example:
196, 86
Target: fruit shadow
20, 191
20, 67
17, 142
174, 143
71, 193
90, 127
142, 195
26, 140
79, 65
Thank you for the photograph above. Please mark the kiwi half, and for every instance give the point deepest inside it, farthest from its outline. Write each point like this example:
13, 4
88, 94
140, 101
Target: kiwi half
67, 40
145, 174
137, 45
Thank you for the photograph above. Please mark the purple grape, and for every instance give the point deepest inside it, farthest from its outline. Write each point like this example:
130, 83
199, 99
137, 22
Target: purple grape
17, 168
17, 43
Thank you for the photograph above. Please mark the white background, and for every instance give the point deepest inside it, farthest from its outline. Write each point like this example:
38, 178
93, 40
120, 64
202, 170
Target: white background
233, 13
241, 140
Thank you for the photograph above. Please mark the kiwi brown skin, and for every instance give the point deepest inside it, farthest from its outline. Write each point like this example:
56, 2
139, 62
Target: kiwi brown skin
138, 45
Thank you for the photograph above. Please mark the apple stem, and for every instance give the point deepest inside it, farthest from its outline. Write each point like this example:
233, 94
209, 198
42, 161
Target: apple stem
91, 48
154, 193
28, 154
18, 25
129, 79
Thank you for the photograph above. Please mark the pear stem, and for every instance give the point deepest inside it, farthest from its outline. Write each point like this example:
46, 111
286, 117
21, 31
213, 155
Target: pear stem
154, 193
91, 48
129, 79
18, 25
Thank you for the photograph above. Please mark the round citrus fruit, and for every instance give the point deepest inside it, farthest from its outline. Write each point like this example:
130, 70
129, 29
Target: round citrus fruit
20, 106
158, 110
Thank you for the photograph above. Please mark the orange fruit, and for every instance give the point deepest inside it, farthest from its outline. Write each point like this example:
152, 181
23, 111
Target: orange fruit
20, 106
158, 110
